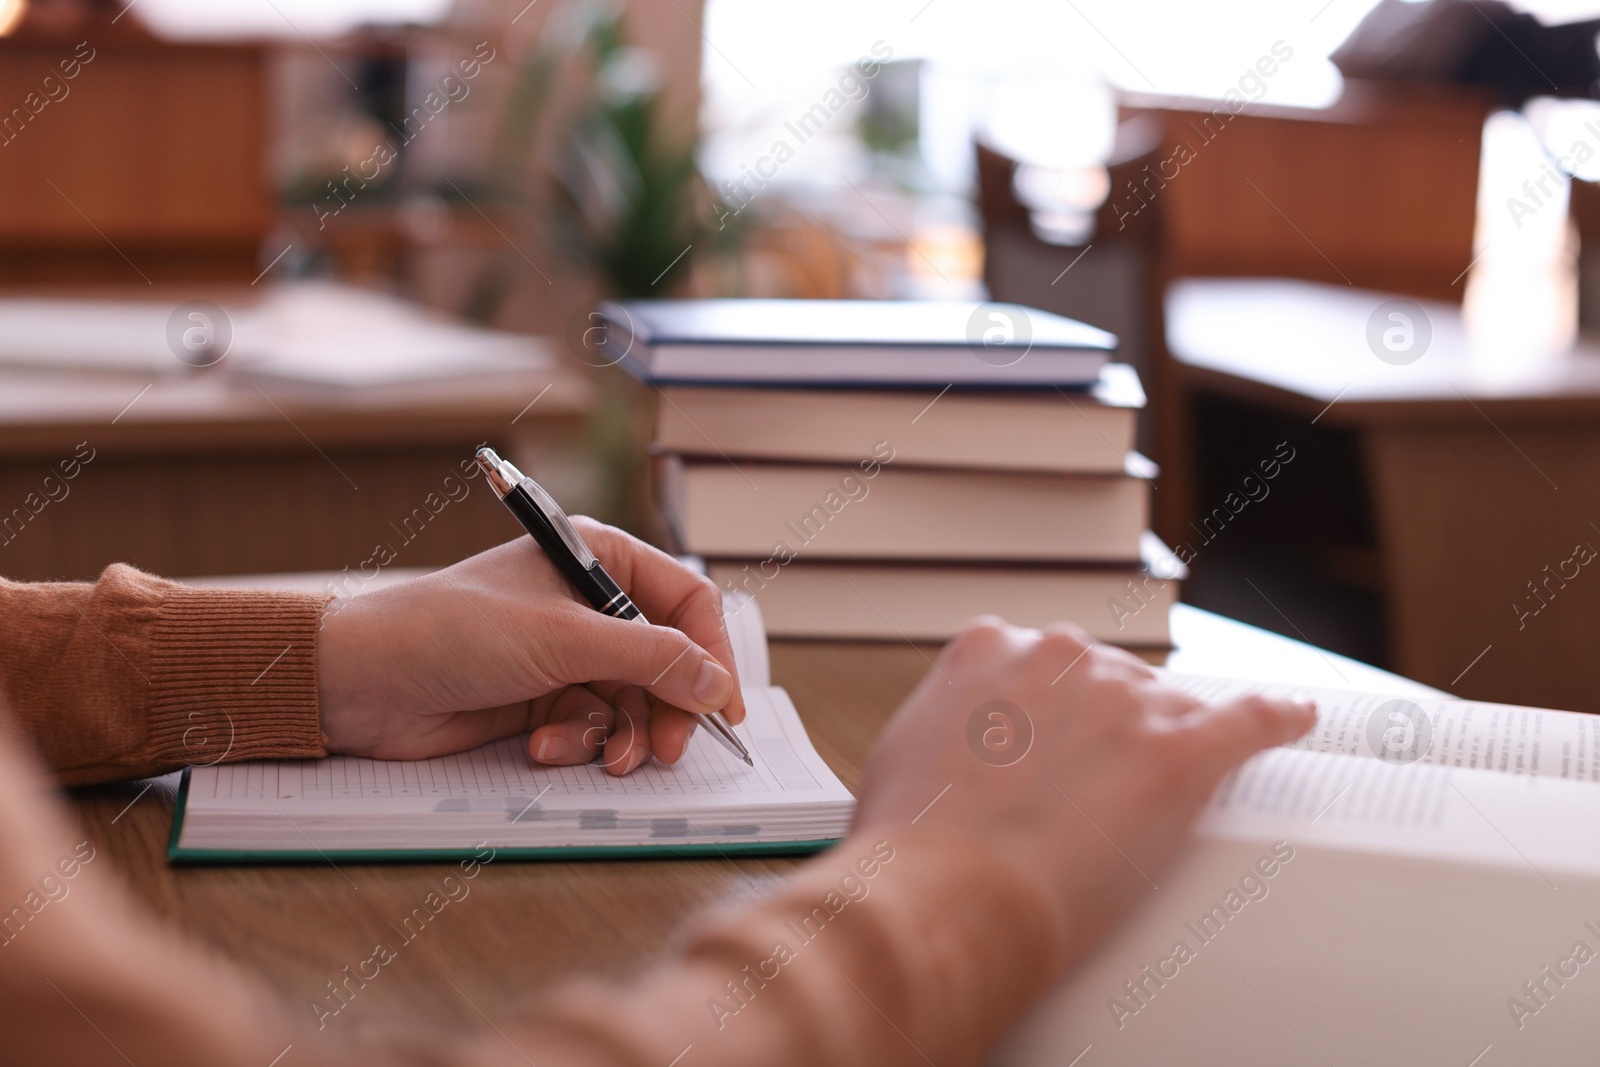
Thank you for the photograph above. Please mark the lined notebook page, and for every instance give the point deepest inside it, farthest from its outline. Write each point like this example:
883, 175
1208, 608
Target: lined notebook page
785, 765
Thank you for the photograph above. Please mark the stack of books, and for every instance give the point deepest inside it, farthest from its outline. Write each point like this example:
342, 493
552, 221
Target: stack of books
889, 470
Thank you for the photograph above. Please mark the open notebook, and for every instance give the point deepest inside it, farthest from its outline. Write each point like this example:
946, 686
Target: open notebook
344, 807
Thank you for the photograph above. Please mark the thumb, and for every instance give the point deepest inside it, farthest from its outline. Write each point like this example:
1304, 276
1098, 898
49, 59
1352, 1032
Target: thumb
664, 661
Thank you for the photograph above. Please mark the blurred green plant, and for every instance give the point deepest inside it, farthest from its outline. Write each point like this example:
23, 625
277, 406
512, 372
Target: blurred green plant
618, 195
582, 152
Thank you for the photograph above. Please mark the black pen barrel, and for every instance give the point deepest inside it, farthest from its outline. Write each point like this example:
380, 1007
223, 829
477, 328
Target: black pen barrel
609, 598
533, 520
593, 584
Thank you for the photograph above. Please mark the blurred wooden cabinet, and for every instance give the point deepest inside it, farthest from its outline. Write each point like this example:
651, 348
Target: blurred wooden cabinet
146, 163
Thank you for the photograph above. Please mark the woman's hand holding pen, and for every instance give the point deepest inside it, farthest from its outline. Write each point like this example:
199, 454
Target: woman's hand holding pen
499, 644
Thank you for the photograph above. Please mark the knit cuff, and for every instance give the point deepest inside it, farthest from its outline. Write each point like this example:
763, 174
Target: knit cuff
234, 676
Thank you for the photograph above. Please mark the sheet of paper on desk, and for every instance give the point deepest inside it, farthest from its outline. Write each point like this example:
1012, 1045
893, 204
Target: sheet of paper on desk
108, 335
315, 336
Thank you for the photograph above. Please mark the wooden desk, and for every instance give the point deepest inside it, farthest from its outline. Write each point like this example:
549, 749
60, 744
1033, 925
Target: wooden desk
205, 473
528, 925
1445, 486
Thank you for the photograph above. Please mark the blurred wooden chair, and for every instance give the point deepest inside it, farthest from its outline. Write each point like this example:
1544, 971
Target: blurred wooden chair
1378, 191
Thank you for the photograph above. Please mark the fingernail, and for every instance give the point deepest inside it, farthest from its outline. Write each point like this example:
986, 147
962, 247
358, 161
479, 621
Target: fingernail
552, 748
714, 686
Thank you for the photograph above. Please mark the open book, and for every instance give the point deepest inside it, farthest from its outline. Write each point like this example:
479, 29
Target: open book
1416, 881
345, 807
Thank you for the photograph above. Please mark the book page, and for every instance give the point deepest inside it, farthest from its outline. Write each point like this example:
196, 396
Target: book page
747, 632
1366, 805
1443, 732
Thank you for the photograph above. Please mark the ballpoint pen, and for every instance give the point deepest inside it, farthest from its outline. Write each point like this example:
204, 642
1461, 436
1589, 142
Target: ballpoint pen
543, 518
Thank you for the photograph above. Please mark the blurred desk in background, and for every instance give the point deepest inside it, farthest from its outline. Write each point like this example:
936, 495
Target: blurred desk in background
206, 471
611, 917
1451, 490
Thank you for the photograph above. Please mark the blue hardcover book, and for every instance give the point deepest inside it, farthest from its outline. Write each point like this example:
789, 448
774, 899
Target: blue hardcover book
851, 343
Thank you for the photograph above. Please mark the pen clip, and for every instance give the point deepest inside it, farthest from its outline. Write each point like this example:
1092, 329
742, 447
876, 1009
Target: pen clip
504, 476
560, 523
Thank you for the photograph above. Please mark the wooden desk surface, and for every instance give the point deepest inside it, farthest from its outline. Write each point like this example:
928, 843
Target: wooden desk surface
526, 925
1300, 346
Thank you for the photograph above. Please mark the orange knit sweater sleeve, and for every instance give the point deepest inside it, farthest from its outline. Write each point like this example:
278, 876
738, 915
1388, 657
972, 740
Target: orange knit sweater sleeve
930, 959
131, 675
